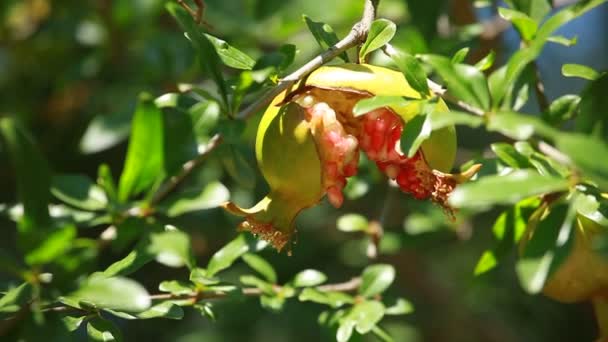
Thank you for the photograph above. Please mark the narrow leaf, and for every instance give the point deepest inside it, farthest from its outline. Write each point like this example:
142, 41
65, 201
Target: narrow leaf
505, 189
582, 71
230, 55
145, 155
324, 35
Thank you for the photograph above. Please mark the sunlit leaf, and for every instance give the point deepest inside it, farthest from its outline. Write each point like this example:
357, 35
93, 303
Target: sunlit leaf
210, 196
114, 293
505, 189
376, 279
309, 278
577, 70
324, 35
380, 32
262, 266
352, 223
145, 156
230, 55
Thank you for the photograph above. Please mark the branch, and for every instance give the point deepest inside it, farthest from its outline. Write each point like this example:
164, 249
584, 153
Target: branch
441, 92
186, 170
357, 35
539, 88
110, 232
347, 286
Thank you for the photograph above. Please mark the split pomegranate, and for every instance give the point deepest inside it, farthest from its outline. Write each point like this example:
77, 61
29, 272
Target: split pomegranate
319, 113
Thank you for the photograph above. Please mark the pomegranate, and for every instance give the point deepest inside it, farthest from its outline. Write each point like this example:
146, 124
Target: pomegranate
308, 144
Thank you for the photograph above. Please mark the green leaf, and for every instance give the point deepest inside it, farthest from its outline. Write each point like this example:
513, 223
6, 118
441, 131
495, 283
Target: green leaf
548, 246
511, 224
345, 331
577, 70
72, 323
586, 153
486, 262
176, 287
510, 156
200, 276
440, 120
525, 25
79, 191
333, 299
172, 248
536, 9
486, 62
15, 298
380, 32
562, 17
562, 109
520, 60
211, 196
381, 334
376, 279
208, 56
518, 126
145, 155
593, 206
308, 278
230, 55
114, 293
324, 35
460, 55
102, 330
547, 166
505, 189
464, 81
412, 70
106, 182
254, 281
105, 131
262, 266
163, 310
56, 243
367, 105
352, 223
563, 40
33, 182
366, 314
179, 138
401, 307
206, 309
417, 130
137, 258
226, 256
592, 118
237, 166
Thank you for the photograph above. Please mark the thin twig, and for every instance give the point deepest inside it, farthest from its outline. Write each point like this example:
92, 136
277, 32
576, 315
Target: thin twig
539, 88
441, 92
185, 6
186, 170
554, 153
109, 234
357, 35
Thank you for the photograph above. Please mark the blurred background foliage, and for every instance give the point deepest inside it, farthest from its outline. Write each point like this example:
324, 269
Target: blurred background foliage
71, 71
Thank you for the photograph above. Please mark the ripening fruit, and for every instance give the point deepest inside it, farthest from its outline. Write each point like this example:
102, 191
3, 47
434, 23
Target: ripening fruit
310, 145
584, 274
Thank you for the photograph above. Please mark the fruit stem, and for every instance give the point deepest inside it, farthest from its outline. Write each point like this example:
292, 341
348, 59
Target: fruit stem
600, 306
